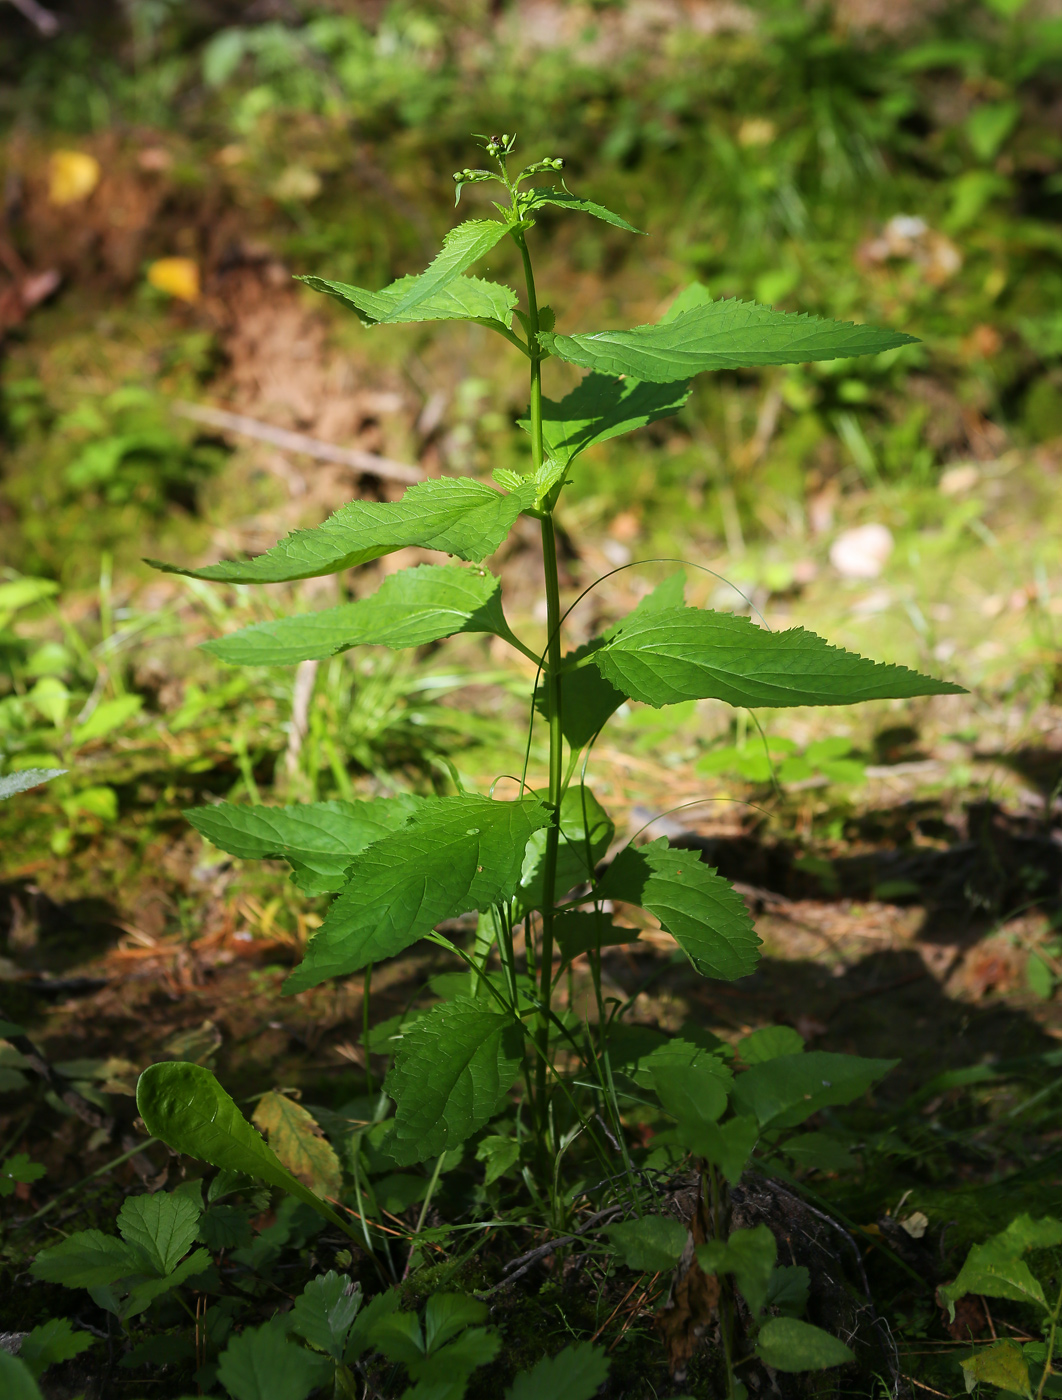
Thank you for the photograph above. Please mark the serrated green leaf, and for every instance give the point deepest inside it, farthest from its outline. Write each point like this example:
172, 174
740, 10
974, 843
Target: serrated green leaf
546, 194
686, 654
27, 778
87, 1259
187, 1108
455, 854
702, 911
653, 1243
575, 933
499, 1153
452, 1071
787, 1344
324, 1311
163, 1226
51, 1342
225, 1227
720, 335
296, 1137
588, 700
785, 1091
318, 839
143, 1293
452, 1365
727, 1145
462, 517
262, 1364
602, 407
409, 609
20, 1167
16, 1380
462, 246
1001, 1364
694, 1094
747, 1254
447, 1314
463, 299
586, 831
576, 1373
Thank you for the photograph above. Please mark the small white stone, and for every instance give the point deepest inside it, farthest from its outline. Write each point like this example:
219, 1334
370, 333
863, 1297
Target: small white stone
862, 552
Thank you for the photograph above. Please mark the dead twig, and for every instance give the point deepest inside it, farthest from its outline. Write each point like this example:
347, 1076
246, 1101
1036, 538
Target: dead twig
516, 1268
366, 462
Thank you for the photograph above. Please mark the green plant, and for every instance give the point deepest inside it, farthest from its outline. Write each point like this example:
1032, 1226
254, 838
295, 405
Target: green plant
400, 867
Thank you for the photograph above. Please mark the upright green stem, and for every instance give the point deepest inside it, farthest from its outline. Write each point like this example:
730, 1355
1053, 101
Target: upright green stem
1048, 1359
553, 695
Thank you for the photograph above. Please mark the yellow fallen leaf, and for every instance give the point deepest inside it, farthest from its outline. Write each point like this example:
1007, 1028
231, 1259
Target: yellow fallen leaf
72, 175
179, 277
295, 1137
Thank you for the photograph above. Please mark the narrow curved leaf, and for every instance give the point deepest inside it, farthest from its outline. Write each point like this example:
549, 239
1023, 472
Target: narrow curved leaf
702, 911
296, 1137
462, 517
463, 299
686, 654
455, 854
603, 407
318, 839
462, 246
27, 778
785, 1091
576, 1373
409, 609
787, 1344
187, 1108
452, 1071
562, 199
720, 335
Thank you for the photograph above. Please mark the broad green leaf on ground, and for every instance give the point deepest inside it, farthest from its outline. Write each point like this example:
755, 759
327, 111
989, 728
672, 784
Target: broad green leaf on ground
785, 1091
602, 407
296, 1137
499, 1153
787, 1344
727, 1145
575, 933
576, 1373
540, 195
27, 778
694, 1094
51, 1342
653, 1243
163, 1226
768, 1043
324, 1311
368, 1320
702, 911
588, 700
997, 1269
409, 609
687, 654
455, 854
450, 1366
586, 831
788, 1289
452, 1071
20, 1167
187, 1108
318, 839
462, 246
747, 1254
16, 1379
1001, 1364
454, 514
86, 1260
463, 299
108, 716
262, 1364
680, 1052
720, 335
144, 1292
820, 1152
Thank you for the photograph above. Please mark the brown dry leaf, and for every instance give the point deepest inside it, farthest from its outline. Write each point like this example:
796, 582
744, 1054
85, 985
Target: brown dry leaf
178, 277
72, 176
296, 1138
688, 1312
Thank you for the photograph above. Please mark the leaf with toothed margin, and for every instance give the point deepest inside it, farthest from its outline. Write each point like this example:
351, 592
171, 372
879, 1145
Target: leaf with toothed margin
561, 199
603, 407
454, 855
453, 514
409, 609
687, 654
720, 335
